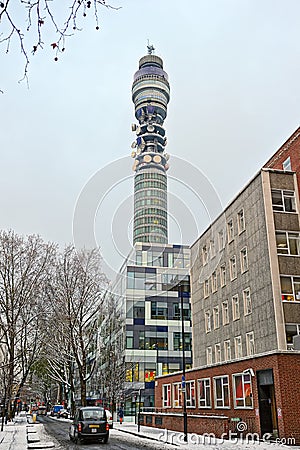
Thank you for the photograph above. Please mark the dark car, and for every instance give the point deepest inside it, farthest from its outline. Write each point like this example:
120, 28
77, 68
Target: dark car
89, 424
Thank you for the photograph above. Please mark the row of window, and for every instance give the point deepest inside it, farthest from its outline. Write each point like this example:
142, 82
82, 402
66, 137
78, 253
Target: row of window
149, 176
241, 386
218, 357
150, 202
155, 193
158, 341
163, 259
210, 285
149, 229
155, 211
150, 184
213, 319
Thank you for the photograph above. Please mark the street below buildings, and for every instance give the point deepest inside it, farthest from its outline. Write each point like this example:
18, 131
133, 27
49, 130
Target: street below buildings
118, 440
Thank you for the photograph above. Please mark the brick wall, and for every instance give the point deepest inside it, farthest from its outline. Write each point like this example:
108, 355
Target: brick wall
286, 372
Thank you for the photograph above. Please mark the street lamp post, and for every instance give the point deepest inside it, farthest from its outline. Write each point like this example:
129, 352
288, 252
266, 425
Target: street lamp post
183, 387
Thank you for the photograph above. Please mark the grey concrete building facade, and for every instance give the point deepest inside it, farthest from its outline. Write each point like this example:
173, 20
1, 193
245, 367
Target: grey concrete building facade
245, 291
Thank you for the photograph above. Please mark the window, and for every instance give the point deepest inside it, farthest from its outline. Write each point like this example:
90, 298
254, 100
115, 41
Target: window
230, 230
290, 288
238, 347
207, 322
227, 351
291, 330
209, 355
288, 243
225, 313
212, 248
166, 388
244, 260
221, 392
159, 310
287, 164
235, 307
247, 302
241, 221
177, 345
223, 275
129, 341
221, 240
204, 255
242, 391
216, 317
177, 395
283, 200
204, 395
232, 268
190, 394
214, 282
218, 353
206, 288
177, 311
250, 343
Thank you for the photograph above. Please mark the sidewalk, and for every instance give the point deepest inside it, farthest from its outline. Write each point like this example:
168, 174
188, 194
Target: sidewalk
24, 434
174, 439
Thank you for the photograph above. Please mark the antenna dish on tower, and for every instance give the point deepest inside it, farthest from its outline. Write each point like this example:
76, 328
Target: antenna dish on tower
150, 128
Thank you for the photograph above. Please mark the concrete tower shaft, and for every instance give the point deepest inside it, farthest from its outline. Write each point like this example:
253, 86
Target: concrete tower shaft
150, 95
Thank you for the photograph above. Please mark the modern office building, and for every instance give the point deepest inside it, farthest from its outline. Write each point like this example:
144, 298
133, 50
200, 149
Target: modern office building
245, 309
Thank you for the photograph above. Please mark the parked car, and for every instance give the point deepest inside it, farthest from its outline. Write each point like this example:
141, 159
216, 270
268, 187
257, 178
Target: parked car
109, 418
89, 424
42, 411
55, 410
63, 413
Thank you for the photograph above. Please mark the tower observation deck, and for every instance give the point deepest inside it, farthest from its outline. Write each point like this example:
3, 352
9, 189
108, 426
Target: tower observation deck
150, 95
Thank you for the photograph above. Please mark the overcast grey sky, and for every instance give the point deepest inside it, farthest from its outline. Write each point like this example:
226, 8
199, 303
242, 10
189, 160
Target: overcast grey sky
234, 71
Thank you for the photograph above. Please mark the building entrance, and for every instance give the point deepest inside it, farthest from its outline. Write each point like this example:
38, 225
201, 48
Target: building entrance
267, 404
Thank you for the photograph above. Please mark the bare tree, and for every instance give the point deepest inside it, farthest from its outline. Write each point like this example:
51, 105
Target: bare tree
32, 23
77, 300
24, 265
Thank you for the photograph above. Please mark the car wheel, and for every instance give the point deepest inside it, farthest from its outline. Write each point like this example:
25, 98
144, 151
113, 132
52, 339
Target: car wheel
105, 440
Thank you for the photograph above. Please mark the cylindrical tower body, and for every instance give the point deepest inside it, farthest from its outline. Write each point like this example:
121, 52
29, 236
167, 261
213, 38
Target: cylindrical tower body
150, 95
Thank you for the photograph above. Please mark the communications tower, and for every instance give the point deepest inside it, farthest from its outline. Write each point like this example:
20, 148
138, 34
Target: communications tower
150, 95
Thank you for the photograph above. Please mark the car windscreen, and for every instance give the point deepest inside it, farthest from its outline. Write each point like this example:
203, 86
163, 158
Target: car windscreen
93, 414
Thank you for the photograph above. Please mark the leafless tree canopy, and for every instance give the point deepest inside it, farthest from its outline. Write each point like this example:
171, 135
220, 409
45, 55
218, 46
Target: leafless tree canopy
32, 22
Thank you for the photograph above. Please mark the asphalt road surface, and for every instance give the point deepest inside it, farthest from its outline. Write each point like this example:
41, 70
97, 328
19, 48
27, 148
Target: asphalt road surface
118, 440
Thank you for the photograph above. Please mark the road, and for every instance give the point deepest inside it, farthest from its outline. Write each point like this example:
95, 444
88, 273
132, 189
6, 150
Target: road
118, 440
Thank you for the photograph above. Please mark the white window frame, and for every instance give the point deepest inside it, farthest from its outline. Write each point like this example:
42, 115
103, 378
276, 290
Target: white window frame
293, 294
214, 282
227, 350
207, 317
167, 402
204, 255
230, 230
190, 399
216, 317
246, 381
235, 307
208, 356
250, 344
212, 248
238, 347
233, 268
241, 221
205, 401
221, 240
289, 236
223, 275
225, 312
287, 196
244, 260
224, 386
177, 401
206, 288
218, 354
287, 165
247, 301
